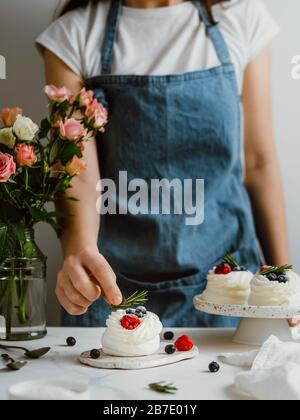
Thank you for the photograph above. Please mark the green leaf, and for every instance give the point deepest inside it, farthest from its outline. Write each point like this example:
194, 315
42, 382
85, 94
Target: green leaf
45, 128
54, 149
68, 151
63, 108
37, 214
7, 243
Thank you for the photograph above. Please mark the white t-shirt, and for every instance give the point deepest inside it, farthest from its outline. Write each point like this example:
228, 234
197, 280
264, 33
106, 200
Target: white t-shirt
160, 41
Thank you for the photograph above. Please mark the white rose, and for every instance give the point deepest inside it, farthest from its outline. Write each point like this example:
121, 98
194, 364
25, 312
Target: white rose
7, 137
25, 129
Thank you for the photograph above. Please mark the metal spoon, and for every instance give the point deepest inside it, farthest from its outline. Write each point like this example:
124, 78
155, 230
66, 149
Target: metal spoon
12, 364
31, 354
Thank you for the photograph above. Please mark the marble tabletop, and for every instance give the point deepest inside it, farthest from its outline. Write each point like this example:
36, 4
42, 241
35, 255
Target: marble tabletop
191, 377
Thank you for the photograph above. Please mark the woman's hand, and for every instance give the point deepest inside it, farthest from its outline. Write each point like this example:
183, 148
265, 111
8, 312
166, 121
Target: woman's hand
83, 278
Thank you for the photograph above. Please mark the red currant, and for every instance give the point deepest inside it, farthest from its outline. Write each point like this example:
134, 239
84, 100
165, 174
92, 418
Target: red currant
223, 268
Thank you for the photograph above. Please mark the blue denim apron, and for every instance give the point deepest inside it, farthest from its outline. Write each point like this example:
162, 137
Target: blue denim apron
185, 126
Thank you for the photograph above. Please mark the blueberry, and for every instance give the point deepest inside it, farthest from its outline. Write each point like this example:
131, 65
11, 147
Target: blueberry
71, 341
170, 349
272, 277
214, 367
130, 311
243, 268
95, 354
282, 278
237, 268
142, 309
139, 314
168, 335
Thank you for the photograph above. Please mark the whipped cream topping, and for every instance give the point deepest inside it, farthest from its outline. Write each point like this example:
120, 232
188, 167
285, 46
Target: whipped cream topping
143, 340
272, 293
232, 288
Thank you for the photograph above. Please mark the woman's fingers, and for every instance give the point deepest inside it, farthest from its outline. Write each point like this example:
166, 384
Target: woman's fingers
71, 307
103, 274
82, 282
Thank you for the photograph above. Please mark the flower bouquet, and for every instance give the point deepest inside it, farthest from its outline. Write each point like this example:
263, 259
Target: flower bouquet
37, 164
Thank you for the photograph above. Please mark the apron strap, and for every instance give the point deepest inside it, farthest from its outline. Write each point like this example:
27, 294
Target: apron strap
112, 24
215, 34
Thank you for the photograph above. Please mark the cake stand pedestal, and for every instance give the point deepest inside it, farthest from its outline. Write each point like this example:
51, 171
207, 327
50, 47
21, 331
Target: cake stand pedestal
258, 323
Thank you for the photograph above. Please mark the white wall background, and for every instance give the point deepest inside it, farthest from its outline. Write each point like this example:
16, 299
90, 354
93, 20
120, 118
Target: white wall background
22, 20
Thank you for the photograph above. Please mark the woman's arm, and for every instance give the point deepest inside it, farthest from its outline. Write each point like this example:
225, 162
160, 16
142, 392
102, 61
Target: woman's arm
263, 179
76, 288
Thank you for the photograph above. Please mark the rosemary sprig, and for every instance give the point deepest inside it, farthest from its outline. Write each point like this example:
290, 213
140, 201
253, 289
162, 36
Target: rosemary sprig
138, 298
163, 388
228, 259
276, 270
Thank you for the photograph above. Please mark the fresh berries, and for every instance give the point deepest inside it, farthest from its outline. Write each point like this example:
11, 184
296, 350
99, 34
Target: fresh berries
168, 335
223, 268
141, 309
214, 367
272, 277
184, 343
95, 354
71, 341
237, 268
130, 311
282, 278
170, 349
130, 322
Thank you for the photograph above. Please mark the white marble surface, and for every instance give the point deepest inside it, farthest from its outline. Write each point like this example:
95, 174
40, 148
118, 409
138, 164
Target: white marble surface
190, 376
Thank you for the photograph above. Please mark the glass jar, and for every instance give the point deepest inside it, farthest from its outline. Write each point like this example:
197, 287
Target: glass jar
23, 293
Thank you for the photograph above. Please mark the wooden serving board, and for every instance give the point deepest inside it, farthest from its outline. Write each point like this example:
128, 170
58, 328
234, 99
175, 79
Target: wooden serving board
142, 362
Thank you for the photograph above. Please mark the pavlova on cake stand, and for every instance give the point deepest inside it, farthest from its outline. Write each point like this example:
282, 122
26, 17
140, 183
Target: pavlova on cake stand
264, 302
258, 323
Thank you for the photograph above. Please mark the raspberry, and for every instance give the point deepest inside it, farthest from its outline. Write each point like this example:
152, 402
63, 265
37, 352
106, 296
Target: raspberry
130, 322
184, 343
223, 268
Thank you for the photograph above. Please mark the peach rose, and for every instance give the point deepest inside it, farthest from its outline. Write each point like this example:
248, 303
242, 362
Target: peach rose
86, 97
7, 167
25, 155
71, 129
56, 94
76, 166
96, 111
9, 116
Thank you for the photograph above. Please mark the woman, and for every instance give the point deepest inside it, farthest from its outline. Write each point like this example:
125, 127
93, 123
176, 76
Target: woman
173, 80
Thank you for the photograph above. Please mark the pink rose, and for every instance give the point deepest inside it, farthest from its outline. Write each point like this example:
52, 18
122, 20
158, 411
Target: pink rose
71, 129
86, 97
7, 167
9, 116
56, 169
56, 94
96, 111
25, 155
76, 166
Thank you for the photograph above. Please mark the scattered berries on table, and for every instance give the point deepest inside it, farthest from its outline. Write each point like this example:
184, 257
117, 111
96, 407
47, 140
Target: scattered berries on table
71, 341
170, 349
168, 335
184, 343
223, 268
130, 322
95, 354
214, 367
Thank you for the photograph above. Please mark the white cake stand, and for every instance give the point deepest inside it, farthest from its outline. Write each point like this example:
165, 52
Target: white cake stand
258, 322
